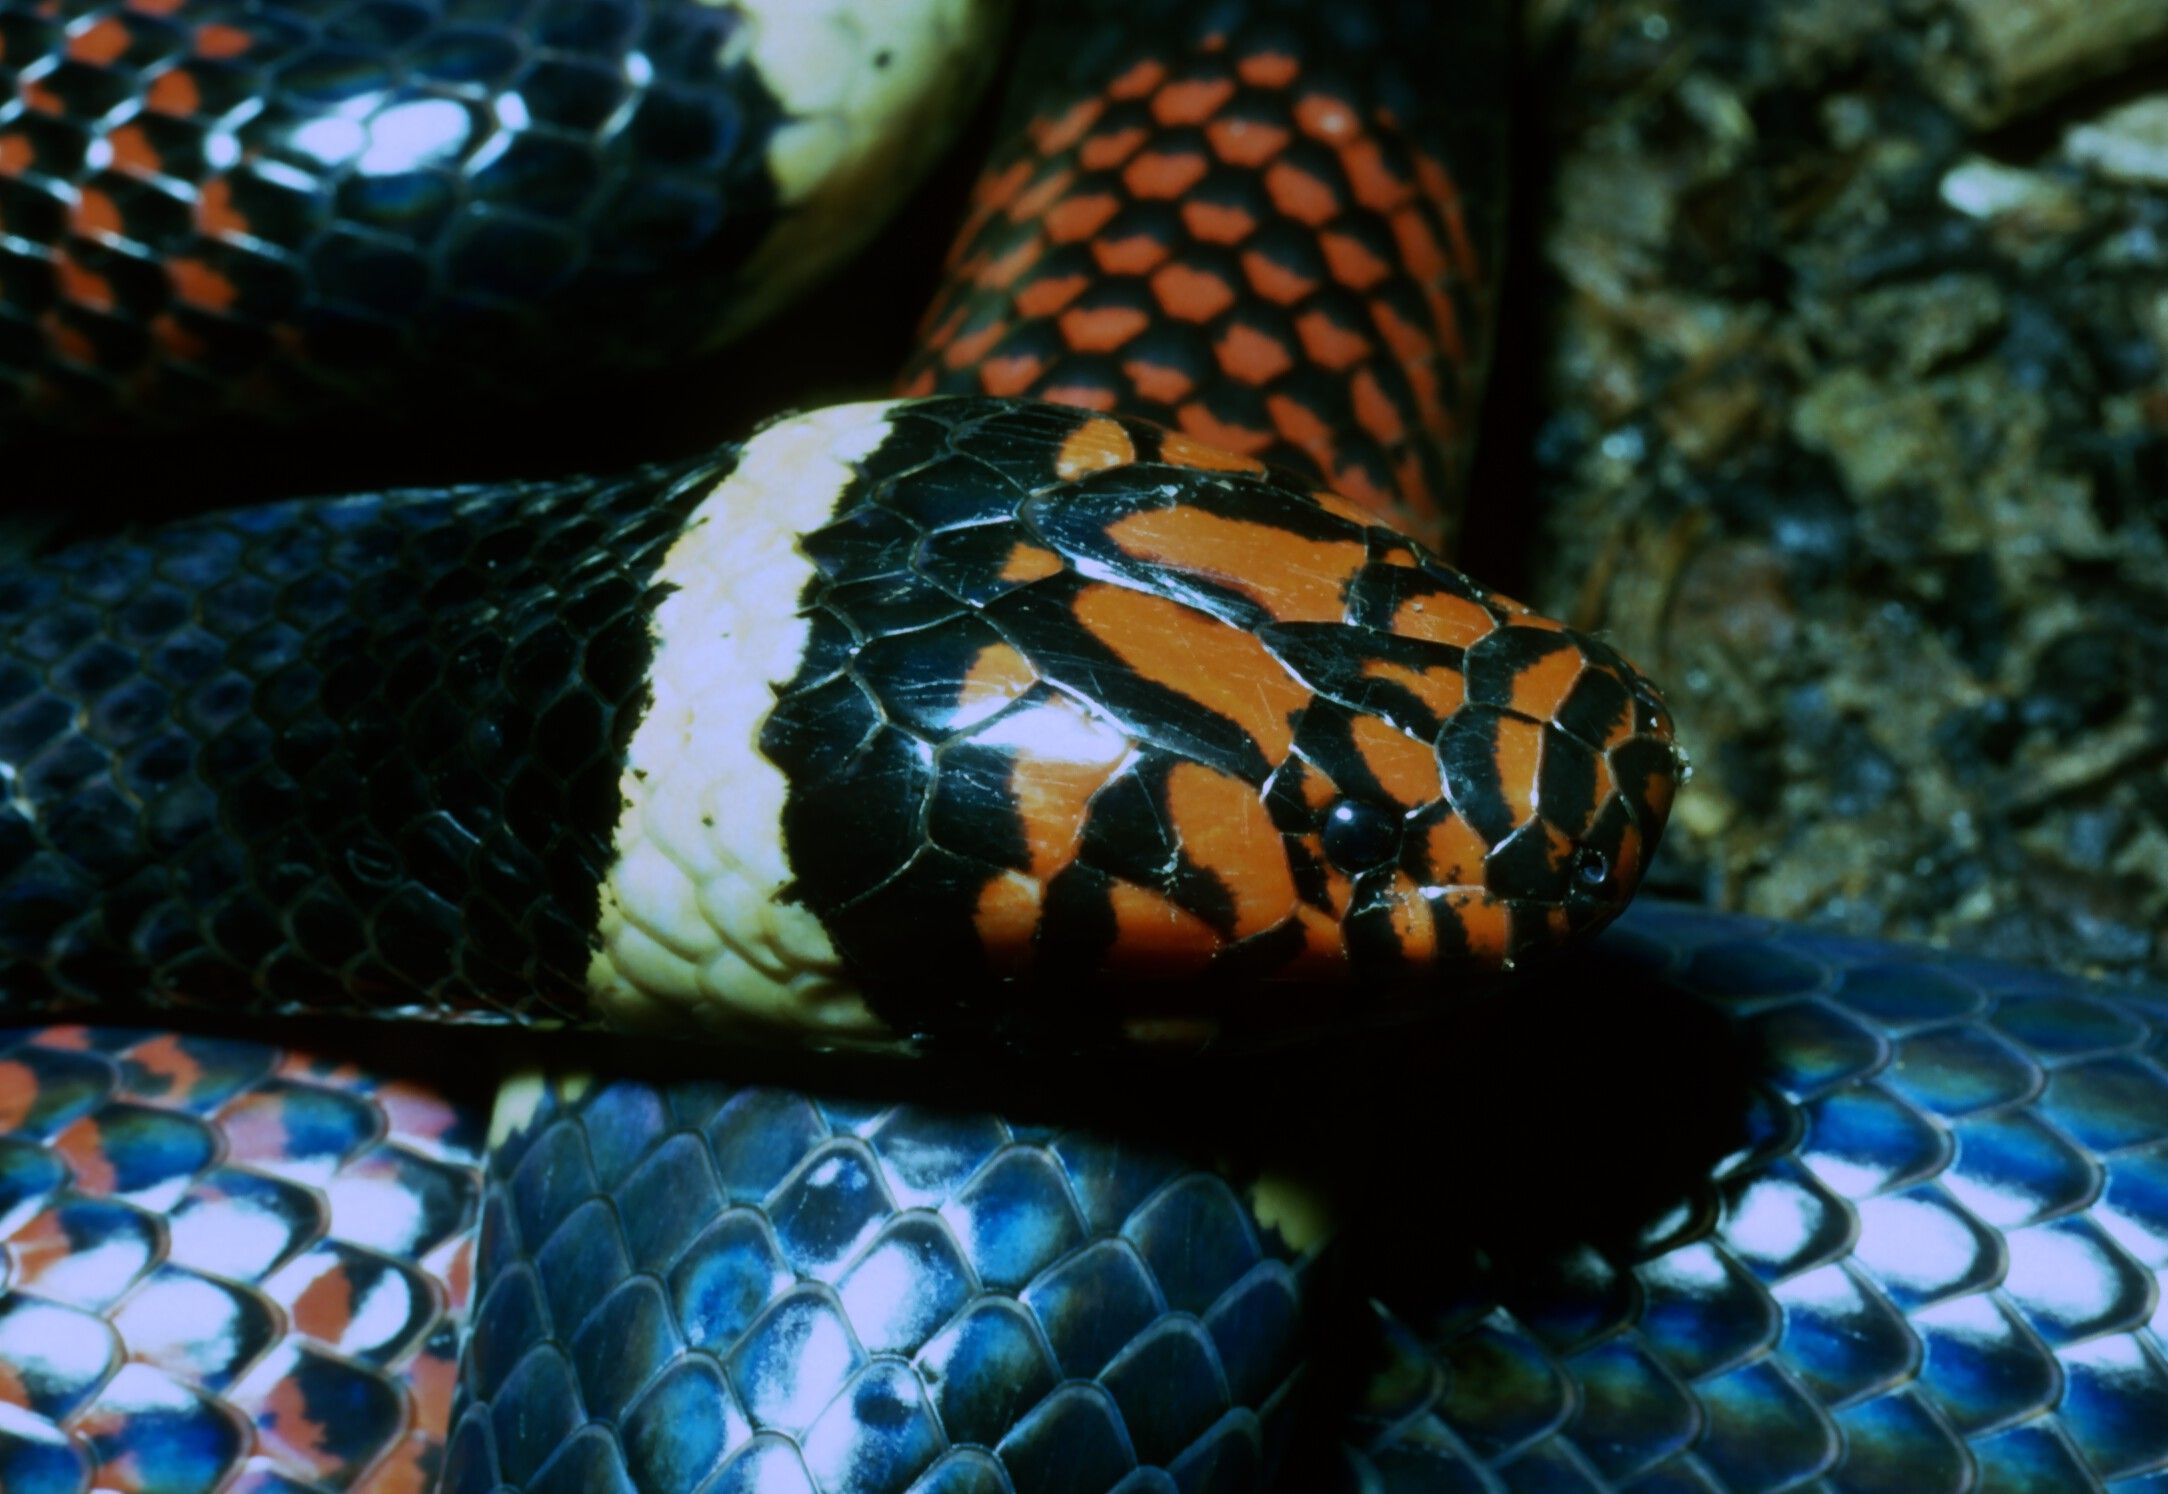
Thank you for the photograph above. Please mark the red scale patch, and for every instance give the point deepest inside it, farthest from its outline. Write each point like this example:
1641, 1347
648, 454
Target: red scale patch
1287, 192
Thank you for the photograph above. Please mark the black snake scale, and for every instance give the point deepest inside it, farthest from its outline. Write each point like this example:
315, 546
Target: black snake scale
1712, 1205
374, 741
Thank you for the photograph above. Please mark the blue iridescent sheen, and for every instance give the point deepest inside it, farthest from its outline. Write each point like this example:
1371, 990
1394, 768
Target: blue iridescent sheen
879, 1295
1945, 1273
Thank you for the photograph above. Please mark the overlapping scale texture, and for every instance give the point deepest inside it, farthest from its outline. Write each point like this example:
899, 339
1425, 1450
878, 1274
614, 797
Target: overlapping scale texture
345, 754
1267, 225
296, 204
227, 1261
701, 1284
1084, 697
1934, 1259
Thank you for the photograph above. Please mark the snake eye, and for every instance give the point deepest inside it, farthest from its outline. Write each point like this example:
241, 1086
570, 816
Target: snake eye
1590, 869
1358, 836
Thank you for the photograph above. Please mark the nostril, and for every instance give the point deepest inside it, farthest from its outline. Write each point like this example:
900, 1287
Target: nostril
1357, 836
1590, 870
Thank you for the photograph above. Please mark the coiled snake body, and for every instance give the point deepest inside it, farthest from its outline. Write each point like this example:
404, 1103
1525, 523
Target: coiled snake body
971, 725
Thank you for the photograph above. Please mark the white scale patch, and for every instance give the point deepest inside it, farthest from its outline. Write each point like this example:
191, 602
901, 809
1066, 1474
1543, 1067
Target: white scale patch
693, 929
872, 95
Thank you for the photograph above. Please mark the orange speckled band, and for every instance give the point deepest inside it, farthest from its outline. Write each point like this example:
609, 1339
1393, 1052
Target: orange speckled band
1250, 227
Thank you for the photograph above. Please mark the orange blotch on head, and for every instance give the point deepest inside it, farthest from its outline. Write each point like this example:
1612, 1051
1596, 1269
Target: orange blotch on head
1455, 853
1222, 826
1138, 80
1094, 446
1329, 344
1046, 296
1247, 143
1007, 377
1440, 617
1052, 136
998, 677
1274, 281
215, 40
1294, 578
1216, 443
1075, 218
1154, 937
1159, 174
1250, 356
1442, 690
973, 346
1405, 768
1351, 261
1192, 101
1374, 409
1221, 667
1157, 382
1415, 927
1029, 562
1217, 223
41, 98
1101, 330
1039, 196
1106, 151
1323, 955
1139, 254
1269, 69
1487, 923
1062, 754
100, 43
1541, 687
173, 92
917, 386
1082, 396
1192, 295
1519, 756
1006, 917
1300, 195
1657, 790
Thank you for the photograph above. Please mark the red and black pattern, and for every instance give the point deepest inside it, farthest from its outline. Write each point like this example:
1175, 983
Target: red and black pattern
249, 204
224, 1256
1088, 701
1265, 225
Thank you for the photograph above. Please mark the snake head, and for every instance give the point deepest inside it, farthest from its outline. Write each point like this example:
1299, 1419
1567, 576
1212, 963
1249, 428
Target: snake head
1092, 722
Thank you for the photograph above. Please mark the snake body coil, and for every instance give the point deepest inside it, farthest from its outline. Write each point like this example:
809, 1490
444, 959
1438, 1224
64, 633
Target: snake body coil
932, 724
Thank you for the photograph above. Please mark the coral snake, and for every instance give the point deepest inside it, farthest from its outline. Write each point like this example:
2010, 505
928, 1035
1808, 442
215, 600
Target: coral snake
1093, 705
